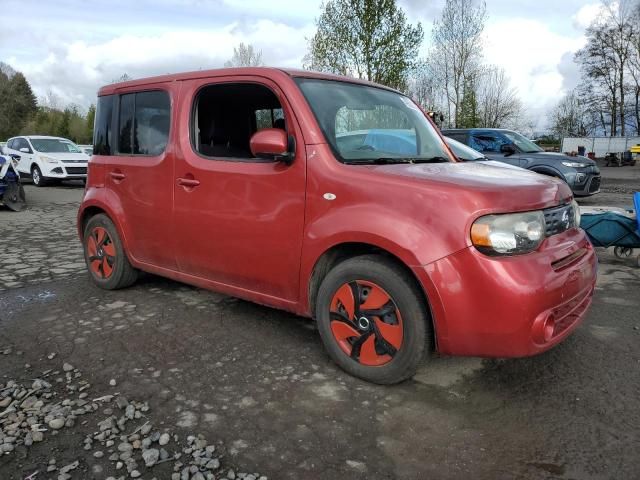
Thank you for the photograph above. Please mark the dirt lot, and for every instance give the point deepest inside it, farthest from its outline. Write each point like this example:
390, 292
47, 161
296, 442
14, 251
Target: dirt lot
256, 384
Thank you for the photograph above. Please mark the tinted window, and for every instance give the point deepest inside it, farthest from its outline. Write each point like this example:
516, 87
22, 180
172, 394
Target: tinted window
151, 123
22, 143
102, 130
125, 129
10, 143
458, 136
143, 123
487, 142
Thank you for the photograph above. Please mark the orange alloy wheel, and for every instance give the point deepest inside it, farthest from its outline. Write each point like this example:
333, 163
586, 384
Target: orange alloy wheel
102, 253
366, 323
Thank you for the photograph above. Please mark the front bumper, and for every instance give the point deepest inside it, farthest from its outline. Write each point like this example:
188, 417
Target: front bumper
591, 186
510, 306
65, 171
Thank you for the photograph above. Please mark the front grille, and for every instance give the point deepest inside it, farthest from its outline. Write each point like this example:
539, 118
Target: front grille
558, 219
76, 170
594, 185
74, 161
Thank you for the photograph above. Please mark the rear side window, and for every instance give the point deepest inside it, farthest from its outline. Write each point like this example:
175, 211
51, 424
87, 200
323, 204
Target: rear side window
143, 126
460, 137
102, 130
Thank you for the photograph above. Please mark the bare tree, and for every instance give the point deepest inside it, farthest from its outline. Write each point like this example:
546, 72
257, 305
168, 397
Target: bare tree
568, 118
498, 102
457, 49
606, 59
245, 56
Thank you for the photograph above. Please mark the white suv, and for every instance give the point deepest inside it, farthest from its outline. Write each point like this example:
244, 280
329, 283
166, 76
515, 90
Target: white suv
48, 158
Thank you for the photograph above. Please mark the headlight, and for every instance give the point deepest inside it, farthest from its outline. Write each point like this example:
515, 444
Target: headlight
508, 234
576, 214
44, 158
575, 164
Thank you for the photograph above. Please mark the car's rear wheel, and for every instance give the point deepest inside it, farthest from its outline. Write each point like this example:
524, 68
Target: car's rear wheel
104, 255
36, 177
373, 319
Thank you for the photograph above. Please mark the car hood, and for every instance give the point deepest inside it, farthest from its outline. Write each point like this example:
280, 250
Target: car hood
558, 157
488, 186
66, 156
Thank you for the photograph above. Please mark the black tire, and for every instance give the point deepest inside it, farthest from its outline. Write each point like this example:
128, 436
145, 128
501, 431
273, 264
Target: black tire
36, 177
403, 291
122, 274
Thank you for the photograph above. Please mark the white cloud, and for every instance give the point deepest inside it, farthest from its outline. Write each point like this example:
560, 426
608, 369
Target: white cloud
75, 70
588, 14
530, 53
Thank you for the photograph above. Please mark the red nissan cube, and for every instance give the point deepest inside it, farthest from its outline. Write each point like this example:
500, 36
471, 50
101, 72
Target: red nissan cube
336, 199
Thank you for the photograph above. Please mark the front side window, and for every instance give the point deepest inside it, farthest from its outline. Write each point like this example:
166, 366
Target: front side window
22, 143
487, 142
143, 125
226, 115
367, 124
524, 144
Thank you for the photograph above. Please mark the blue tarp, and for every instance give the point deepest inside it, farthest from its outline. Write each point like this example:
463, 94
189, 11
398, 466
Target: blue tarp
609, 229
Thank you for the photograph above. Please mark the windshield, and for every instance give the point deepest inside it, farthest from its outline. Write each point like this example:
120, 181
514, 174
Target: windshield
463, 152
54, 145
522, 142
366, 124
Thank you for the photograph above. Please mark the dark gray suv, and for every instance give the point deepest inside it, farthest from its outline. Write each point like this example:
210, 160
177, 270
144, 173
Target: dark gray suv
581, 173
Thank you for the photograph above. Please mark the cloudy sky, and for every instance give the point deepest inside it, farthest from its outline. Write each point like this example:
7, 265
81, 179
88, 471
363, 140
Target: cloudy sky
72, 47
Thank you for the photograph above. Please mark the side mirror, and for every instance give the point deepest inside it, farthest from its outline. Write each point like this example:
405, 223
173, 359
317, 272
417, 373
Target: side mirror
507, 149
15, 157
25, 150
272, 143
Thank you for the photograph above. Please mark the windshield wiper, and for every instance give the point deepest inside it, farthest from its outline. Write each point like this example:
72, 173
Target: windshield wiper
395, 160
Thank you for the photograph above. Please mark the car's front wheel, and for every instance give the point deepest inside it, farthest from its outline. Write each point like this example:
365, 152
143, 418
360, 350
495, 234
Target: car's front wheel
373, 319
36, 177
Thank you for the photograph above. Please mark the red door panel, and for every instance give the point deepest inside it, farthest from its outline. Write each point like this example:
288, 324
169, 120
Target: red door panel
239, 222
144, 186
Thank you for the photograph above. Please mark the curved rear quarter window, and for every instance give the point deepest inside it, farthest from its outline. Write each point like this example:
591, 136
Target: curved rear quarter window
102, 129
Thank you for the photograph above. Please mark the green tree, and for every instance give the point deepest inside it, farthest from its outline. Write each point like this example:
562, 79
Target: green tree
17, 103
368, 39
63, 129
91, 116
469, 116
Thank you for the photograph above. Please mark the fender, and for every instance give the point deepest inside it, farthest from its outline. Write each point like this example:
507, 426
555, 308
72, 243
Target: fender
548, 171
402, 236
105, 200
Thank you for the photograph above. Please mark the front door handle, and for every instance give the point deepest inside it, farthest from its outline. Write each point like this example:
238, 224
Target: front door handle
117, 175
188, 182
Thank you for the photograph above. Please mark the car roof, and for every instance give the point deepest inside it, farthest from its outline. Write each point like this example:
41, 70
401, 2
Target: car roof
46, 137
269, 72
477, 129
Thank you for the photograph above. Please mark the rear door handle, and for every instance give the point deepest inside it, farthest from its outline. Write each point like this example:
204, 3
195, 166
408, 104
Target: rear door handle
117, 175
188, 182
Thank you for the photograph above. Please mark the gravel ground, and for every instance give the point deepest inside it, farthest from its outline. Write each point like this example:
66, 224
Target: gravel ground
162, 361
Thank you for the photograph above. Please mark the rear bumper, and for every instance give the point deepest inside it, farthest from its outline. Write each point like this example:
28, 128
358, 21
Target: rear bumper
510, 306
